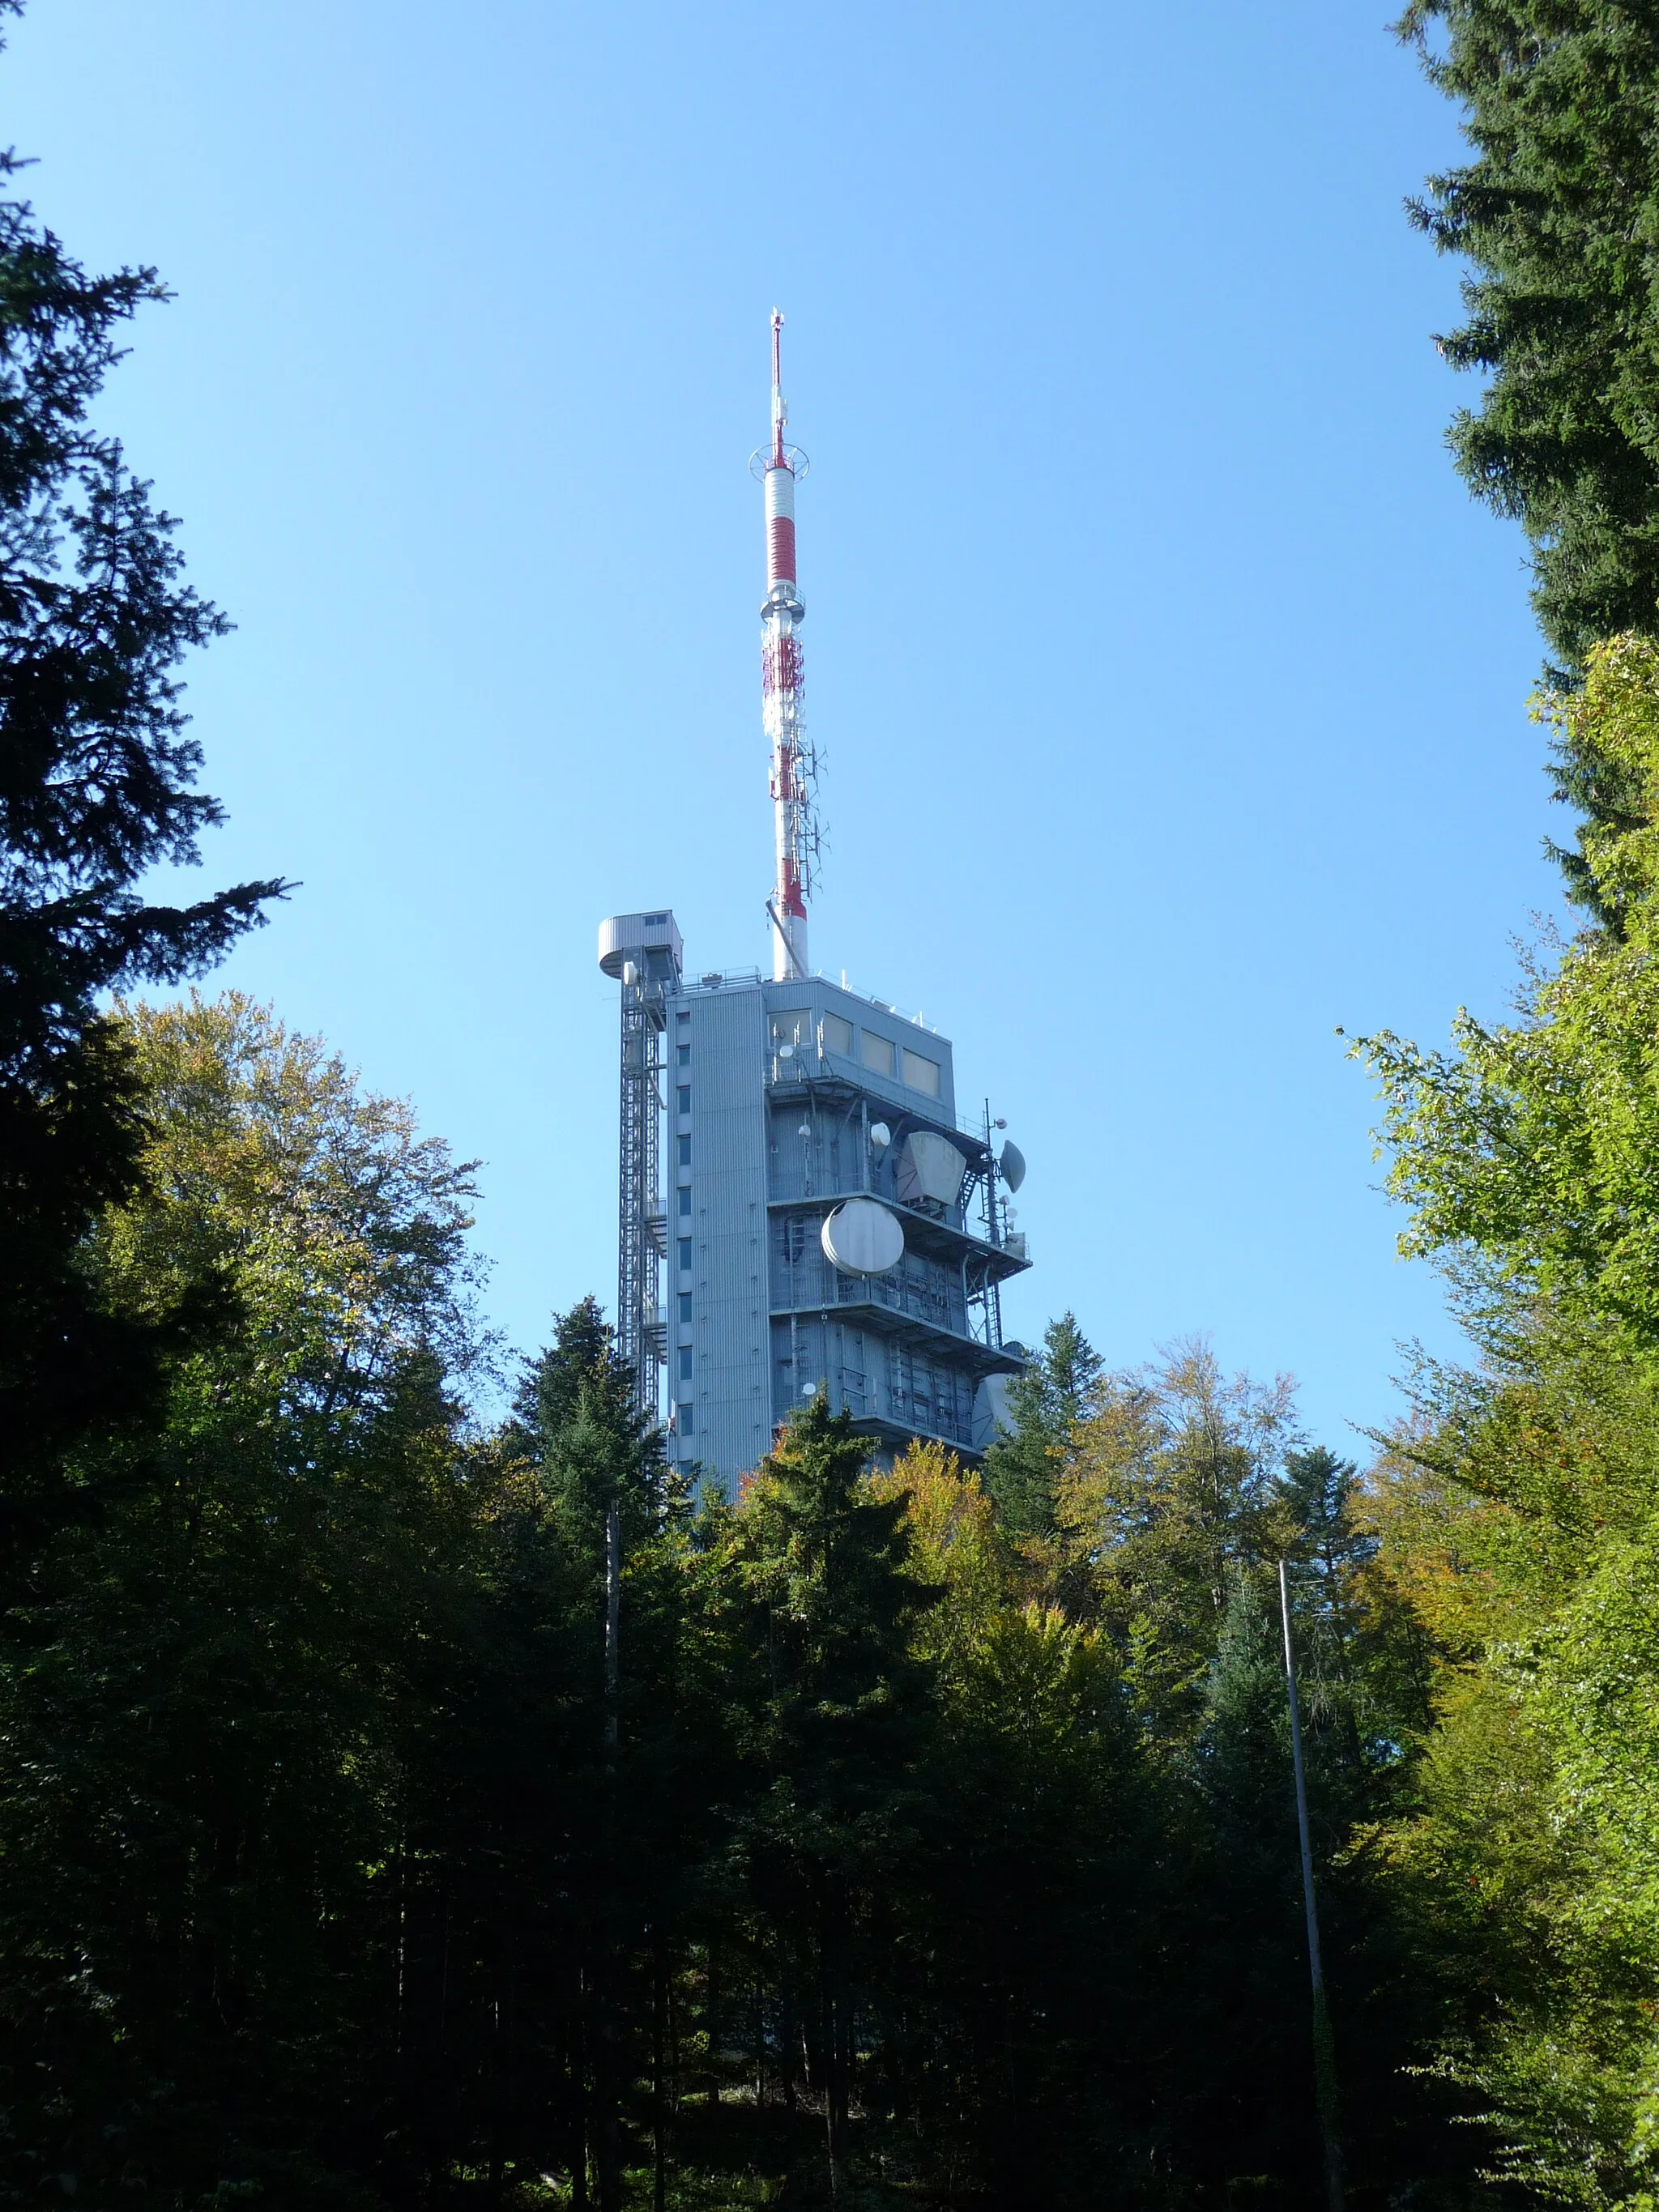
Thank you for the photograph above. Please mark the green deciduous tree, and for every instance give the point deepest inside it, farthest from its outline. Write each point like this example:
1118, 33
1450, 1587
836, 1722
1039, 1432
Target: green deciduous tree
1171, 1489
1519, 1518
209, 1703
1532, 1143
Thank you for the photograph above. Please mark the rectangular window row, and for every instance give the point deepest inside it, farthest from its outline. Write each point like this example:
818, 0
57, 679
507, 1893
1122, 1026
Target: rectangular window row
792, 1027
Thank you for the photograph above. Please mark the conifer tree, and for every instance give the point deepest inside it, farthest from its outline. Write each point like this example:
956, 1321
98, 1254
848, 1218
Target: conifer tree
96, 792
837, 1728
1022, 1470
1557, 212
645, 1750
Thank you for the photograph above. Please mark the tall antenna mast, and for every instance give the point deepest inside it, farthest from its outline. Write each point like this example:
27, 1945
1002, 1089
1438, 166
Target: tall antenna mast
795, 765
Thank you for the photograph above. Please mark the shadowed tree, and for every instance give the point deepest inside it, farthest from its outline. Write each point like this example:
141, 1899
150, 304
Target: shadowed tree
96, 792
1022, 1470
836, 1729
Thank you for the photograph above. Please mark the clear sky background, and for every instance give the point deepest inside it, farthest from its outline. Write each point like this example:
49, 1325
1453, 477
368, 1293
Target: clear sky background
1173, 691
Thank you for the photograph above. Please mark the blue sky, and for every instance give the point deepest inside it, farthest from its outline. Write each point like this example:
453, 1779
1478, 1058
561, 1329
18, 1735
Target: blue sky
1173, 691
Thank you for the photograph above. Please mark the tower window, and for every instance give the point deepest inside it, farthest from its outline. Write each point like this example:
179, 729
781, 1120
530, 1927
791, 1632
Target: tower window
921, 1074
877, 1052
837, 1035
685, 1201
685, 1146
685, 1055
682, 1099
684, 1255
685, 1363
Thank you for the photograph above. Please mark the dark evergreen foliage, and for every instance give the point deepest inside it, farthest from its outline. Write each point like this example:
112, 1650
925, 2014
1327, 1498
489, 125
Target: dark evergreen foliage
96, 777
1558, 212
1021, 1470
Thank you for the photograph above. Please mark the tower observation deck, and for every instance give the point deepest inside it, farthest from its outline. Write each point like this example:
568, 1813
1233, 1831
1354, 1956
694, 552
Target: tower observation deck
792, 1160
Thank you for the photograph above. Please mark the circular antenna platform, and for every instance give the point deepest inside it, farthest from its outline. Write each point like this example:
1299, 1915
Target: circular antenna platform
794, 459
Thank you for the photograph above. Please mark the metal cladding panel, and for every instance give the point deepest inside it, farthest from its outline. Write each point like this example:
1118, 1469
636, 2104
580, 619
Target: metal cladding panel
821, 1352
827, 1163
873, 1376
733, 1428
779, 492
641, 935
750, 1361
866, 1017
823, 1151
920, 1287
780, 551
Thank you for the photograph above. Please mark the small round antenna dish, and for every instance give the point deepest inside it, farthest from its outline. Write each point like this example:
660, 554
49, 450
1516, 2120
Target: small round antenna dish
880, 1135
630, 974
1011, 1161
786, 1051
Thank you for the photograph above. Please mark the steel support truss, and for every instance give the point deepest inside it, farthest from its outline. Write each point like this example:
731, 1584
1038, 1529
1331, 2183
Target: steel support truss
642, 1219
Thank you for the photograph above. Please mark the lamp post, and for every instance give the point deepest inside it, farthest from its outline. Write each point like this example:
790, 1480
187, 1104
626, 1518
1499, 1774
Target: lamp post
1324, 2050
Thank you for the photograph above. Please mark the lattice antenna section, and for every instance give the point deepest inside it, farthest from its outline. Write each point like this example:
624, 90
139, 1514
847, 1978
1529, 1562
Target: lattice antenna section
796, 836
641, 1238
643, 953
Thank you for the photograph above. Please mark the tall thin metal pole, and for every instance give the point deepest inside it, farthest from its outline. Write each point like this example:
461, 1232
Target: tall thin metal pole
612, 1618
1324, 2049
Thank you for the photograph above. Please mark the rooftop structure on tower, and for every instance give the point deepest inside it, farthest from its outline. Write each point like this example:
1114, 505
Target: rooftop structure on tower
801, 1208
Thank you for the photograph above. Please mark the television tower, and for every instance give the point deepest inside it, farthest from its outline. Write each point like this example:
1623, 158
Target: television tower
791, 1156
795, 765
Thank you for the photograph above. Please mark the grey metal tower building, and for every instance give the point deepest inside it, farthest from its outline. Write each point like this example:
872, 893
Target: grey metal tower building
827, 1221
792, 1150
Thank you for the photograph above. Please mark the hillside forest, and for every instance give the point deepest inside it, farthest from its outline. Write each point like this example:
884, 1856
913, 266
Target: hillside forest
924, 1834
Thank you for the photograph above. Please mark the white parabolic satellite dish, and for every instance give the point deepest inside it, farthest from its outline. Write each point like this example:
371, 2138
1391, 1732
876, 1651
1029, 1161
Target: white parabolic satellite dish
861, 1237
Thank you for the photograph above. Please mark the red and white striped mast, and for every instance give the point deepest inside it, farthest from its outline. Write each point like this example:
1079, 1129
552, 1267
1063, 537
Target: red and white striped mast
793, 764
